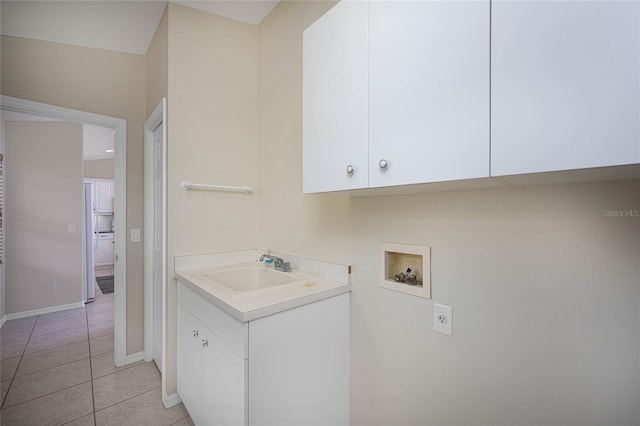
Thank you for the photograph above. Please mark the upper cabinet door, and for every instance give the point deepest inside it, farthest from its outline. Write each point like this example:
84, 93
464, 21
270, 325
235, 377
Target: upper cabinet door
335, 97
565, 85
429, 91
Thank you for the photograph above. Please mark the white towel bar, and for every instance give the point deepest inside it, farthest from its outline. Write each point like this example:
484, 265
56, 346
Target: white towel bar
186, 185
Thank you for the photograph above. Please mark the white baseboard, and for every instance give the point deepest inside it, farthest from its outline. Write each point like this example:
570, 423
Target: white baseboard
170, 400
2, 321
42, 311
130, 359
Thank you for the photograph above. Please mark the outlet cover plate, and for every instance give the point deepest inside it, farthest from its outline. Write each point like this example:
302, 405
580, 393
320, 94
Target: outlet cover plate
443, 319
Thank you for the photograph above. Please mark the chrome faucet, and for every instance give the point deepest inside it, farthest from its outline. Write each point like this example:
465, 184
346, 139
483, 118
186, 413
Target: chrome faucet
278, 263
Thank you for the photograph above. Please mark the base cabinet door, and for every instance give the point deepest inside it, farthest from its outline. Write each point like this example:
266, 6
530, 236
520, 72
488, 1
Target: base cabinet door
104, 251
189, 363
299, 366
223, 385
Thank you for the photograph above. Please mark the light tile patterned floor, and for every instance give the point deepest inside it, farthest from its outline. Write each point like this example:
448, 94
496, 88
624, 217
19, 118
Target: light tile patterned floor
57, 369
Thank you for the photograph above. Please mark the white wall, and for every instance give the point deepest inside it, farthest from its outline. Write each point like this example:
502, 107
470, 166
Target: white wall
43, 197
545, 287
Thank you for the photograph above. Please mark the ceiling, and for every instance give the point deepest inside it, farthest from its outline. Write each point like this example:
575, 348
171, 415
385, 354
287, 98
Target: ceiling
124, 26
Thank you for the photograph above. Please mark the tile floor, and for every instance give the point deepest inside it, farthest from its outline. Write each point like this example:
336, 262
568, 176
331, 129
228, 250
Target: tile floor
57, 369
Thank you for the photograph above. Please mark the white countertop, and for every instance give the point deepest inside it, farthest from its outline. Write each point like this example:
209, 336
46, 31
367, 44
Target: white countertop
257, 304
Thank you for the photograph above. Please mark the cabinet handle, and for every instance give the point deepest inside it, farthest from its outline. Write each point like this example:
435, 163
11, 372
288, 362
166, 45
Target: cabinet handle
383, 163
195, 333
350, 169
205, 343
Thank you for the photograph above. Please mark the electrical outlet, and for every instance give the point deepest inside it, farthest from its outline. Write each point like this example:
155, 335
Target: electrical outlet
51, 285
442, 319
135, 235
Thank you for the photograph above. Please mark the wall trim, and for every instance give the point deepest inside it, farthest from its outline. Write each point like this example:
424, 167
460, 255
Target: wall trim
3, 320
170, 400
120, 177
138, 356
42, 311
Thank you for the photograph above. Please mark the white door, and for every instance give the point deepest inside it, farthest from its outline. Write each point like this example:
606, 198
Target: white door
158, 242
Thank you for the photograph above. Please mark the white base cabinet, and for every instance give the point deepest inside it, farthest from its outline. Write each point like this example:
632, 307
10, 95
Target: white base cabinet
211, 377
105, 249
290, 368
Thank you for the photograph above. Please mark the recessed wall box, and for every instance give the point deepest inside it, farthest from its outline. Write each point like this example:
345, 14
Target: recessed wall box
406, 268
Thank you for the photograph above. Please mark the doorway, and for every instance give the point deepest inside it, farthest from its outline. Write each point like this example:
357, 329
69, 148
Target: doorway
119, 127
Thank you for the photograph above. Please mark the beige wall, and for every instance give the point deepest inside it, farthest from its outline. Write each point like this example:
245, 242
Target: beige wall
306, 219
212, 139
102, 82
544, 285
98, 169
157, 65
44, 196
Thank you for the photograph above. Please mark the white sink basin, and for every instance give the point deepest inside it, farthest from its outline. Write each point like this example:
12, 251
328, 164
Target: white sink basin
247, 279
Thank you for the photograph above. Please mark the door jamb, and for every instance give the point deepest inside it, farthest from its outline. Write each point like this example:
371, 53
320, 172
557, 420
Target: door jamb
158, 116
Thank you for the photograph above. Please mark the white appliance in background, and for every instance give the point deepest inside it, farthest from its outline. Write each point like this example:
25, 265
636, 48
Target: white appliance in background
89, 242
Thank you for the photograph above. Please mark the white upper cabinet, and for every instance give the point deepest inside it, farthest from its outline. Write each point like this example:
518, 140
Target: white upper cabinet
335, 98
104, 196
565, 85
410, 92
396, 93
428, 91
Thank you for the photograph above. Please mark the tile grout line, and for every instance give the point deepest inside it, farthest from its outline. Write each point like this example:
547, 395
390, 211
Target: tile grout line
131, 397
18, 366
50, 347
45, 395
44, 369
33, 329
93, 394
52, 367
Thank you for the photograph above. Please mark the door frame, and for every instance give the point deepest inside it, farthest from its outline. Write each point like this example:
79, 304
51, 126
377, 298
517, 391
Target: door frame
157, 117
120, 177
